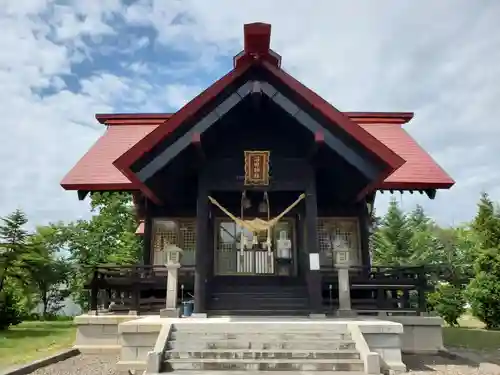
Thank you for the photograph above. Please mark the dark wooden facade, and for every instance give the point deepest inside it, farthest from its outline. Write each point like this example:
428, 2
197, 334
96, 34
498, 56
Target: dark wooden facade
182, 160
331, 171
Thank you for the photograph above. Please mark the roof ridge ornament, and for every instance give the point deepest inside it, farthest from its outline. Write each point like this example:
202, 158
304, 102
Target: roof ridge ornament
257, 42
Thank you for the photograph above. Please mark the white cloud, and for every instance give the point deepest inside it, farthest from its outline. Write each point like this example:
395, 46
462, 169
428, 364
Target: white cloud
439, 59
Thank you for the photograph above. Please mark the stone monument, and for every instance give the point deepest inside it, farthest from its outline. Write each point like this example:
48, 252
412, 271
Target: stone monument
342, 263
173, 256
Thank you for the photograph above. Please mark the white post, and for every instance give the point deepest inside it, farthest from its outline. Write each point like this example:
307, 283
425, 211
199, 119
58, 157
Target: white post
342, 265
173, 255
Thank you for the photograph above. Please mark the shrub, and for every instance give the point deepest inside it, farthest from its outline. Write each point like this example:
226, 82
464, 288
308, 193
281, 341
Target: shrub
11, 311
483, 292
449, 302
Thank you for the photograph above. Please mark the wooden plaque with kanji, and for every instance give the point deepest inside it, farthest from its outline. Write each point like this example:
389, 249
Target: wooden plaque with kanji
256, 167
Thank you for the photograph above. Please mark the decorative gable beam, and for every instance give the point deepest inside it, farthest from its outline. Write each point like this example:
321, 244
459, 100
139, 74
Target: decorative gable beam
196, 142
201, 126
366, 167
319, 140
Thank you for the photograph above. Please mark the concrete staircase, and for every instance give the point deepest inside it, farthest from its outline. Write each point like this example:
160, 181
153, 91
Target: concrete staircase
262, 346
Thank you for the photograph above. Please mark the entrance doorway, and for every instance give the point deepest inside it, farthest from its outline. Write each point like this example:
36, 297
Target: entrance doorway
256, 259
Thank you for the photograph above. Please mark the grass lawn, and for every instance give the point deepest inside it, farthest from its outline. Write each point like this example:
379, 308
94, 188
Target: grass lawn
471, 335
34, 340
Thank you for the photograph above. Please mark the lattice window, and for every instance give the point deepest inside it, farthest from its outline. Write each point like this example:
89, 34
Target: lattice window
179, 232
335, 231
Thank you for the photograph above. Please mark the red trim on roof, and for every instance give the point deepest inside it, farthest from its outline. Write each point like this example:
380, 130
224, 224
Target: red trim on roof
158, 118
95, 171
409, 185
410, 167
130, 156
257, 42
104, 117
134, 122
339, 118
380, 117
121, 186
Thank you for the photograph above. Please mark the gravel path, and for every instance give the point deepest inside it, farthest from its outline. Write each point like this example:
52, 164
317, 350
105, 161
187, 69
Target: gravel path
417, 365
82, 365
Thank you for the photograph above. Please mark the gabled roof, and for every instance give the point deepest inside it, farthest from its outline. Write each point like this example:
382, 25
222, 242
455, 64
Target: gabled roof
95, 170
257, 52
107, 165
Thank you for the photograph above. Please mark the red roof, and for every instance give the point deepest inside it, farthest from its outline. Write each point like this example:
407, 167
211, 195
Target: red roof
257, 52
95, 171
107, 164
420, 171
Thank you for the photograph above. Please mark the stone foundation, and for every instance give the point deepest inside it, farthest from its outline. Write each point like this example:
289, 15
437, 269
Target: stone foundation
137, 338
133, 337
422, 334
99, 334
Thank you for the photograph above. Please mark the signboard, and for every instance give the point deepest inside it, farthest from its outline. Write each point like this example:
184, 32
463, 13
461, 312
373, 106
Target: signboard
314, 261
256, 167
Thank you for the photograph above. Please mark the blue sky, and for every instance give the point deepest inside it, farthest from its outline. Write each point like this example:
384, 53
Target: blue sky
63, 61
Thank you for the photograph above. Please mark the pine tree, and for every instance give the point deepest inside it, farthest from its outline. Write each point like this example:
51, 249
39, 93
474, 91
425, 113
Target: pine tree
484, 289
487, 223
13, 245
418, 220
392, 240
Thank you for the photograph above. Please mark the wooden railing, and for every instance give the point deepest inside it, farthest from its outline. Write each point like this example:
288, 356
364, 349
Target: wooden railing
393, 290
130, 288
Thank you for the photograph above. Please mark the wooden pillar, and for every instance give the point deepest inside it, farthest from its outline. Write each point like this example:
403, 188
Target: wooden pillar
200, 275
364, 234
94, 293
313, 276
147, 237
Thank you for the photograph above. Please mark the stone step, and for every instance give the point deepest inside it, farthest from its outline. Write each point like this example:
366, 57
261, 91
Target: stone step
265, 364
262, 354
276, 372
276, 326
251, 336
262, 344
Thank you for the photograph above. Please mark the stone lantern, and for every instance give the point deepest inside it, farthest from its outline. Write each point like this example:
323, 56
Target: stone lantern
173, 255
342, 251
342, 262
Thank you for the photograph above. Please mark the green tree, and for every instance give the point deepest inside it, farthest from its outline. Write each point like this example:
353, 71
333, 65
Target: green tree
484, 290
14, 252
418, 220
13, 246
456, 254
486, 223
108, 237
448, 301
392, 239
424, 244
49, 272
